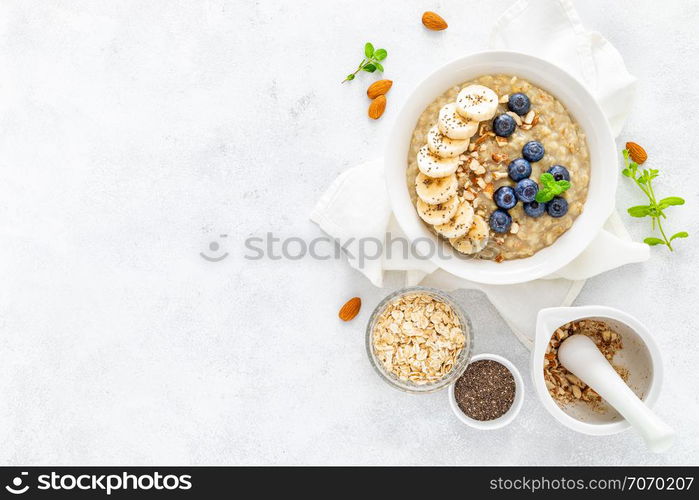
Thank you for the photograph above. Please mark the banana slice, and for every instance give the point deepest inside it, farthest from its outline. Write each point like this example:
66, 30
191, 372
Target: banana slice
475, 240
435, 191
440, 213
443, 146
477, 102
433, 166
460, 224
453, 125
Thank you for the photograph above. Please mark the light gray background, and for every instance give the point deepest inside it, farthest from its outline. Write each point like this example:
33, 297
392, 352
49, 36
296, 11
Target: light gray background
134, 133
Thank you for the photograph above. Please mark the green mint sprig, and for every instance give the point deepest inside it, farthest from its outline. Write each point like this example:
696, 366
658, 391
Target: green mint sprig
655, 209
550, 187
370, 63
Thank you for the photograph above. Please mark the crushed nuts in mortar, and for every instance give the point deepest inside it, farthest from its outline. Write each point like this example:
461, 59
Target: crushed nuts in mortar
564, 387
418, 338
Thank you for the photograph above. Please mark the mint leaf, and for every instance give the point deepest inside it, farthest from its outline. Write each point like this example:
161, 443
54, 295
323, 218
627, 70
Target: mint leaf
671, 200
639, 211
544, 195
549, 187
654, 210
370, 61
653, 241
546, 179
681, 234
559, 187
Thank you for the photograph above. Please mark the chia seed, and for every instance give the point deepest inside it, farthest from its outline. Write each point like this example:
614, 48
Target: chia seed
485, 391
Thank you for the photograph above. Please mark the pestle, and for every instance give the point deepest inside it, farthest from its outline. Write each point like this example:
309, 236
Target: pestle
579, 355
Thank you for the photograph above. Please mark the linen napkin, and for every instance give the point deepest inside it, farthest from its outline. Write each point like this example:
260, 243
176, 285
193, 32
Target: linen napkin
356, 209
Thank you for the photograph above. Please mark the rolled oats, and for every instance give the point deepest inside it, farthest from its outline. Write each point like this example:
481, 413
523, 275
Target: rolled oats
418, 338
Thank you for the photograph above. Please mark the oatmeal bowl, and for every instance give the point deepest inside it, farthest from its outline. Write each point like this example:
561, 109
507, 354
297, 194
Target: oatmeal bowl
502, 166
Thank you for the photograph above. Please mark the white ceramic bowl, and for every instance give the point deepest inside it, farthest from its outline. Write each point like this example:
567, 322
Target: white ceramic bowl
504, 419
582, 106
640, 356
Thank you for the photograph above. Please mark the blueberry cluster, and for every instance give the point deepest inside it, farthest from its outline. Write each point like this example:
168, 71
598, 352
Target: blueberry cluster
525, 189
504, 125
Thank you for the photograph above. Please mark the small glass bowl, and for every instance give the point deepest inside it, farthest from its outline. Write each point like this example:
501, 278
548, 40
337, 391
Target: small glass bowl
461, 361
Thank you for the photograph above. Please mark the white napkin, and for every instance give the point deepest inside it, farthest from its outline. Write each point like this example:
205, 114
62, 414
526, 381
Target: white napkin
356, 205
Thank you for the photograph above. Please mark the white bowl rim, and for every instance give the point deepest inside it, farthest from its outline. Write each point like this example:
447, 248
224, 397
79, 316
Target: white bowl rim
508, 416
566, 314
587, 224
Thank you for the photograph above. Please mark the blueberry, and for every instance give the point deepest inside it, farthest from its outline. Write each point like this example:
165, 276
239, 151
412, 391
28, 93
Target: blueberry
557, 207
519, 169
519, 103
534, 208
559, 173
533, 151
526, 190
500, 221
504, 125
505, 197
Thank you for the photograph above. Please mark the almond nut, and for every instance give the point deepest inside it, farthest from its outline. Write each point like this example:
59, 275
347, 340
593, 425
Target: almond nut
637, 153
499, 157
501, 140
515, 117
577, 392
434, 21
350, 309
379, 88
377, 107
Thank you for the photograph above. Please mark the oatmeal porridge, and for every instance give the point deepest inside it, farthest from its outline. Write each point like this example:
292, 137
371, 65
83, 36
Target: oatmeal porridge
498, 167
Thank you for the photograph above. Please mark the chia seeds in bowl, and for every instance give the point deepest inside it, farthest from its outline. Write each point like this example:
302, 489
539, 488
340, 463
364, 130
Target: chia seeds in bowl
419, 340
489, 394
485, 391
